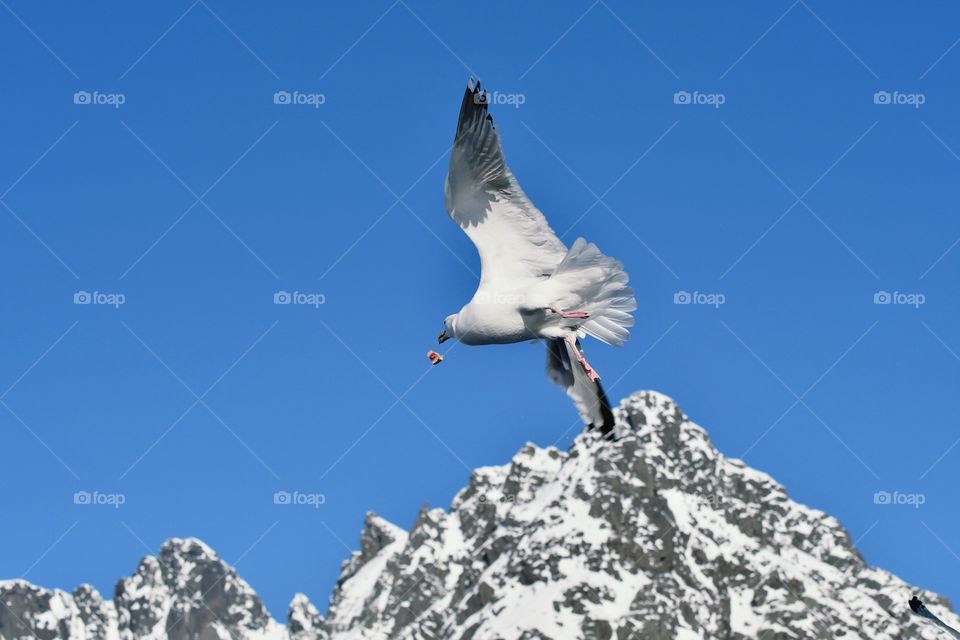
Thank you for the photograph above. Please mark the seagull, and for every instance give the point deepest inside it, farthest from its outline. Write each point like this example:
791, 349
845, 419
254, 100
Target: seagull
532, 287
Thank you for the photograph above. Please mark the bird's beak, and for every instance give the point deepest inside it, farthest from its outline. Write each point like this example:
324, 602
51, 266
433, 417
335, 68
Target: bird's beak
443, 337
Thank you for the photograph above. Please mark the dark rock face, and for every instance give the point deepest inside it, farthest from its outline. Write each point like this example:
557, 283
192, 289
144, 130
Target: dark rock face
28, 611
654, 536
304, 622
98, 615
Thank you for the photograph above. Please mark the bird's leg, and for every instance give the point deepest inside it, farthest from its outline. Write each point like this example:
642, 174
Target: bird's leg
569, 314
593, 375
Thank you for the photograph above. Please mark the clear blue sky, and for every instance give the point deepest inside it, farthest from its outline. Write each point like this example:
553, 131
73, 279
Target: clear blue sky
297, 197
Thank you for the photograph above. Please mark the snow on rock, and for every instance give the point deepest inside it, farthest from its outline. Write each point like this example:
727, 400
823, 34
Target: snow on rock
28, 611
304, 621
184, 593
359, 596
187, 592
655, 535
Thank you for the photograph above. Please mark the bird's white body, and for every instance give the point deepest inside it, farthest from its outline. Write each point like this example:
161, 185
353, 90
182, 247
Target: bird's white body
531, 285
513, 314
484, 322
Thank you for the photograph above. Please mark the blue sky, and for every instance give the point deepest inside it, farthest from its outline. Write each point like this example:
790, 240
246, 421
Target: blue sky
794, 202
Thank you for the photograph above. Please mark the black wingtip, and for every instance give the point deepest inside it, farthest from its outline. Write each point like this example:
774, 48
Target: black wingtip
474, 106
606, 428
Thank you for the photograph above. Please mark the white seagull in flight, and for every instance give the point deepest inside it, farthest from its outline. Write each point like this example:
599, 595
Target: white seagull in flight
531, 285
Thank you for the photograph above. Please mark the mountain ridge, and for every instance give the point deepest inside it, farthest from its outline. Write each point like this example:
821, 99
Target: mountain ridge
654, 535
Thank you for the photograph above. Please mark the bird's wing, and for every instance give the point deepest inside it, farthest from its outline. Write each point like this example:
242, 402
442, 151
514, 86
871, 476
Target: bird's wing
588, 396
484, 198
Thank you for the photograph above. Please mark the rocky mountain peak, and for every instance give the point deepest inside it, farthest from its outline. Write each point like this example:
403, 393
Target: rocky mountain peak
653, 535
304, 622
377, 533
187, 590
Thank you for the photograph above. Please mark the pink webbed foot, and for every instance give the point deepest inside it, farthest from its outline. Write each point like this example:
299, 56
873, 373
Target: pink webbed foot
593, 375
570, 314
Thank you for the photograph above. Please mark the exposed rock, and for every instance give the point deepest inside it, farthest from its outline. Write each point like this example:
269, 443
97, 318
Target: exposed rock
655, 535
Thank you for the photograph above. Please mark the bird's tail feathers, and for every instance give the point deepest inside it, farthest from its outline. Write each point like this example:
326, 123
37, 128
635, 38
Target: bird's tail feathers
600, 286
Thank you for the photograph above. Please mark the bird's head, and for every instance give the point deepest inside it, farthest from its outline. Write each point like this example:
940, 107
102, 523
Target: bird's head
449, 329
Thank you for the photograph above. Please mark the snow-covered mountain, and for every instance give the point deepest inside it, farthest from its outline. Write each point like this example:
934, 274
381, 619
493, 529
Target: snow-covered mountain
653, 536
